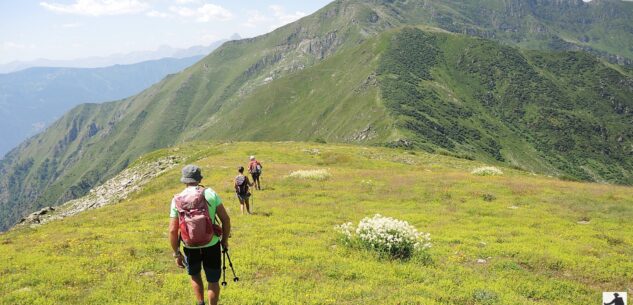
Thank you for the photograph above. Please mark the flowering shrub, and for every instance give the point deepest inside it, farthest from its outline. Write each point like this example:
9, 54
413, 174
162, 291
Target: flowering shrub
318, 174
487, 171
396, 238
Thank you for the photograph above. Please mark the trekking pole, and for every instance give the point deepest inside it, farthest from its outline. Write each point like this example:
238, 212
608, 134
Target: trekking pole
235, 278
223, 266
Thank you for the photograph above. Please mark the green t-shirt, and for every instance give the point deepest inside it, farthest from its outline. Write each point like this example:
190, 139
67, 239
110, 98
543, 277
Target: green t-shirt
214, 201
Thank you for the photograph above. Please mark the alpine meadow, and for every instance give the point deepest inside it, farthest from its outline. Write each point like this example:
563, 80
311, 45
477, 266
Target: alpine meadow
514, 238
496, 134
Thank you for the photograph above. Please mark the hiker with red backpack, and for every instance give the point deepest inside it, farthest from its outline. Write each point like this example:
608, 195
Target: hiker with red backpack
242, 185
193, 221
255, 168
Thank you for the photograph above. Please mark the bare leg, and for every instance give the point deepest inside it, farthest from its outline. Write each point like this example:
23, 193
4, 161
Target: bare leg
214, 293
255, 182
198, 287
242, 207
248, 207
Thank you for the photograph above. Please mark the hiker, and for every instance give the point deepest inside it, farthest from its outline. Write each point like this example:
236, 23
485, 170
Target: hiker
617, 300
242, 185
255, 168
193, 220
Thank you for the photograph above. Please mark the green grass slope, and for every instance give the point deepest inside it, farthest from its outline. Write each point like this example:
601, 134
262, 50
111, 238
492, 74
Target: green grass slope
331, 76
559, 113
544, 241
602, 27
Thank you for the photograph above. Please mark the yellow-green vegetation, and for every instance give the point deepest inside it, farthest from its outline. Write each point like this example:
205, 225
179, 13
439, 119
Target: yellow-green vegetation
511, 239
315, 174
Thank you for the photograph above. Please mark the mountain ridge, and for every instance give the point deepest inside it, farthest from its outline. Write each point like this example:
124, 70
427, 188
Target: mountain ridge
317, 79
131, 58
33, 98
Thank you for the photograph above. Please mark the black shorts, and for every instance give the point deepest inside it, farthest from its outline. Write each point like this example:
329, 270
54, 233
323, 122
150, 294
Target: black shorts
243, 197
255, 176
209, 257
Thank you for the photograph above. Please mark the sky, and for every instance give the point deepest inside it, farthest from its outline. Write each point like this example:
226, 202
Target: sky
71, 29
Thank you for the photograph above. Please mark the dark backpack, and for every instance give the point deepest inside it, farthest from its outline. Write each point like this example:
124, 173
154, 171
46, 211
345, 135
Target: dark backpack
242, 186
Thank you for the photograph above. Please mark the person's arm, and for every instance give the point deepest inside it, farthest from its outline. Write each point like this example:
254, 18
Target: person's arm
226, 225
174, 240
249, 182
235, 186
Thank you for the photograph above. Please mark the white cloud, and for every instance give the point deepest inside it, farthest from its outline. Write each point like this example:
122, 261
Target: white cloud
283, 17
205, 13
10, 45
187, 1
256, 18
156, 14
71, 25
98, 7
13, 45
277, 16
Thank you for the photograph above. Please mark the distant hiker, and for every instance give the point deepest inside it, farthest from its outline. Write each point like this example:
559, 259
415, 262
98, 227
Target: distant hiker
255, 168
242, 185
193, 221
617, 300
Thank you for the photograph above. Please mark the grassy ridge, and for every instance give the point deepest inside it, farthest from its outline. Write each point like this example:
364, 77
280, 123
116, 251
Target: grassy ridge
535, 251
318, 78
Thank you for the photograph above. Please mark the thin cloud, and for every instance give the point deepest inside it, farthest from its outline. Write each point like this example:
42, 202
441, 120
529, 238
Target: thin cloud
283, 17
71, 25
157, 14
256, 18
277, 16
98, 7
10, 45
205, 13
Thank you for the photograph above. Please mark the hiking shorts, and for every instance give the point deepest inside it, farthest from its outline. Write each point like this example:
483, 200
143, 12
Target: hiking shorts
243, 197
210, 258
255, 176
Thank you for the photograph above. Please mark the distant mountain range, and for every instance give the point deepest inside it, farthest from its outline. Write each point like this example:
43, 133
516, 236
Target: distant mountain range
543, 85
117, 59
32, 99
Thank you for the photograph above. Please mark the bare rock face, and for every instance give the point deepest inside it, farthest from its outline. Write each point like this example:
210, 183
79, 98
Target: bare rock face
111, 192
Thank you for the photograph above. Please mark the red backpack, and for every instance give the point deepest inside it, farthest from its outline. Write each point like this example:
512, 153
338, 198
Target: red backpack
196, 227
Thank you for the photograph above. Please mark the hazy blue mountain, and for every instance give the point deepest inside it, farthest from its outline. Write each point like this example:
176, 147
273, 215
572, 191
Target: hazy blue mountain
31, 99
116, 59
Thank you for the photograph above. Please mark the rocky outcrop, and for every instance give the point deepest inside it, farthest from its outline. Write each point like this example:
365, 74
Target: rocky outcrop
111, 192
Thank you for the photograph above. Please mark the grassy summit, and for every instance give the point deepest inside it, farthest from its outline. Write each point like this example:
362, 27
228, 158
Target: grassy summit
544, 241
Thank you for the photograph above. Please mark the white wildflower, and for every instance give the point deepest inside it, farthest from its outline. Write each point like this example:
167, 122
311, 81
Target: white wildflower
386, 234
487, 171
318, 174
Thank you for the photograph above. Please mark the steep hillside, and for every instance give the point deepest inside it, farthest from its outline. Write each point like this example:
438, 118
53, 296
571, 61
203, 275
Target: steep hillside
32, 99
511, 239
350, 73
560, 113
602, 27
